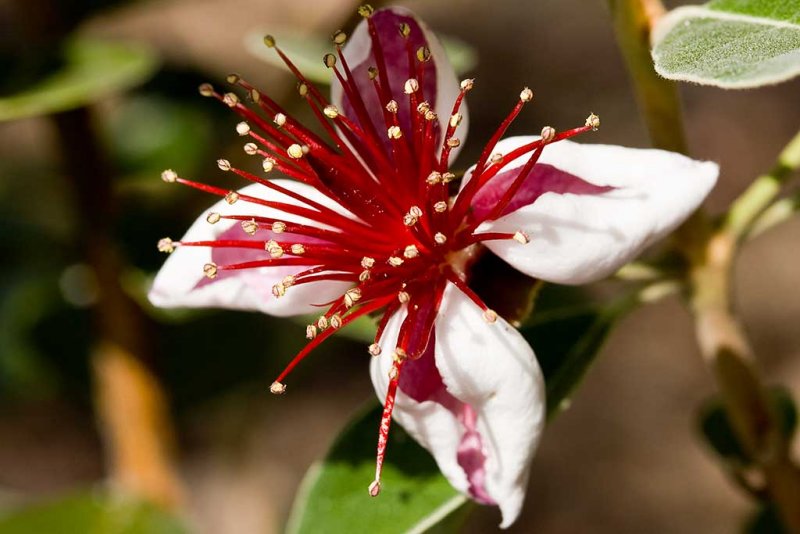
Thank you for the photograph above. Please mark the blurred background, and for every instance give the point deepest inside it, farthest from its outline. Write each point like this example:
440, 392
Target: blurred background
99, 390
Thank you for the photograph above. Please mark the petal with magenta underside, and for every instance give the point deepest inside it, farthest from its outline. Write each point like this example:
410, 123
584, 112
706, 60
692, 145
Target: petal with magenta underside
477, 405
589, 209
181, 282
439, 86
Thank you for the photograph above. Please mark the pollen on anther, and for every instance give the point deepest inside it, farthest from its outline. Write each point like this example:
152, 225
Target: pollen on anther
548, 134
395, 261
526, 95
367, 262
298, 249
311, 331
467, 84
403, 297
288, 280
440, 207
411, 252
339, 37
329, 60
210, 270
295, 151
268, 164
213, 217
366, 10
224, 164
276, 388
278, 227
169, 176
448, 177
363, 276
423, 107
251, 149
250, 227
440, 238
455, 119
391, 106
232, 78
593, 121
278, 290
243, 128
490, 316
394, 132
336, 321
322, 322
521, 237
434, 178
375, 349
230, 99
454, 142
399, 355
351, 296
269, 41
279, 119
411, 86
372, 73
416, 211
166, 245
496, 158
331, 111
232, 197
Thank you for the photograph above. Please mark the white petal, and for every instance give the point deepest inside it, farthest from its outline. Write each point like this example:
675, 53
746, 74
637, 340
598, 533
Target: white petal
491, 368
181, 282
357, 51
581, 237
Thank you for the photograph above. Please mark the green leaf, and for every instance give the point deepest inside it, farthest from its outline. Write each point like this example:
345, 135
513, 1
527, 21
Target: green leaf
567, 341
719, 434
306, 52
92, 70
90, 514
733, 44
415, 497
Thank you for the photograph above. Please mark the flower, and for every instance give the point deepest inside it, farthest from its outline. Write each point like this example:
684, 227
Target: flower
366, 224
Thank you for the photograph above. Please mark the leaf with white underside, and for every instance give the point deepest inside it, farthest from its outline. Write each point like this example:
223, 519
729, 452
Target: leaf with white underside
733, 44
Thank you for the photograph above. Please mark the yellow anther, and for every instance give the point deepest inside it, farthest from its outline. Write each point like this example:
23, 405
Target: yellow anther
440, 207
395, 261
440, 238
391, 106
593, 121
298, 249
411, 86
251, 149
277, 388
166, 245
490, 316
467, 84
268, 164
224, 164
455, 119
278, 290
269, 41
403, 297
394, 132
210, 270
279, 119
375, 349
206, 89
213, 217
521, 237
243, 128
311, 331
250, 227
169, 176
336, 321
526, 95
411, 252
329, 60
231, 197
331, 111
433, 178
230, 99
279, 227
295, 151
339, 37
367, 262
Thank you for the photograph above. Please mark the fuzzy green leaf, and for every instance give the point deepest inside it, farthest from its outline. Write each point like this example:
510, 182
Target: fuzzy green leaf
92, 70
90, 514
414, 496
733, 44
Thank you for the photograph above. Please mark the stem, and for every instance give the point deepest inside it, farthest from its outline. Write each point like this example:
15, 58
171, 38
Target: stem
657, 97
710, 254
757, 197
130, 404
